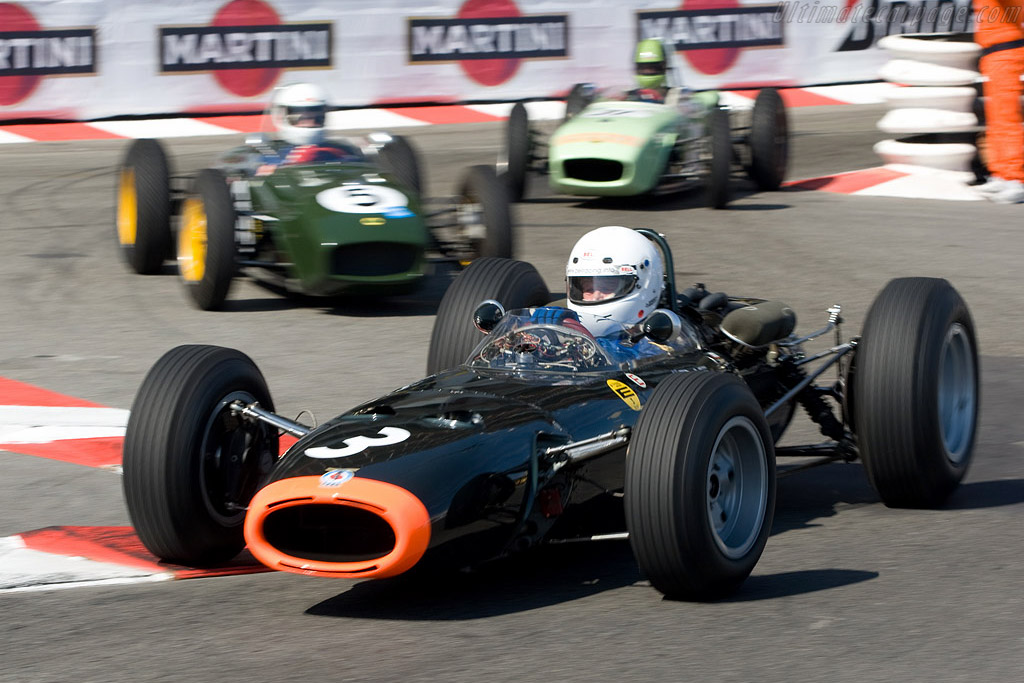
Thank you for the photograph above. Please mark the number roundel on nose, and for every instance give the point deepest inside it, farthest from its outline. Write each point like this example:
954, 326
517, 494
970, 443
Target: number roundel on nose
361, 199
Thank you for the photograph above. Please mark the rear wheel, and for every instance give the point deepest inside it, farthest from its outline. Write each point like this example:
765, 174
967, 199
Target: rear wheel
718, 187
700, 485
769, 140
514, 284
190, 465
399, 158
484, 214
144, 207
915, 392
517, 150
206, 240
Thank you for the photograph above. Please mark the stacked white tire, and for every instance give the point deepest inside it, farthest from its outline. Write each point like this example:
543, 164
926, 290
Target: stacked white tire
940, 73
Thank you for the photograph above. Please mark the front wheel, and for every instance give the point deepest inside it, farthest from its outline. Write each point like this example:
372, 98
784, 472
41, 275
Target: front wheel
191, 465
700, 485
915, 392
206, 240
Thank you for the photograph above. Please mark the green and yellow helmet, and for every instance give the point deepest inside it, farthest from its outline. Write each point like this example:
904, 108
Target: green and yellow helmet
650, 63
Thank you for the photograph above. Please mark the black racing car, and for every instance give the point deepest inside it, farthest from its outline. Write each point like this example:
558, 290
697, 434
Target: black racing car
526, 425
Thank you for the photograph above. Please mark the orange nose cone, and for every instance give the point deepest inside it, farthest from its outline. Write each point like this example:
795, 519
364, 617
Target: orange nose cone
358, 528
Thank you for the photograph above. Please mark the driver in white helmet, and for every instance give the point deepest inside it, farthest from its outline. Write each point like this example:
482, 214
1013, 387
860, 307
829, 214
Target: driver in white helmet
298, 113
614, 278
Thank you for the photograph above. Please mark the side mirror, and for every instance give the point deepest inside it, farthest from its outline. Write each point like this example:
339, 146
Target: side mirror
257, 140
662, 325
487, 315
377, 140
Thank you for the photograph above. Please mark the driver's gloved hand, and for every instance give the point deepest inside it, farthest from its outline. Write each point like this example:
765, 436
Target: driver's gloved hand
552, 315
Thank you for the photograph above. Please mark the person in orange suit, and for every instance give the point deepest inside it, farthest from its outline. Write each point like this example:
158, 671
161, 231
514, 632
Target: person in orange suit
999, 32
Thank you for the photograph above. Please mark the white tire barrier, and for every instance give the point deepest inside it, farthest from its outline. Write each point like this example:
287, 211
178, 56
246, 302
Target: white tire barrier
945, 98
949, 156
942, 49
910, 120
935, 114
911, 72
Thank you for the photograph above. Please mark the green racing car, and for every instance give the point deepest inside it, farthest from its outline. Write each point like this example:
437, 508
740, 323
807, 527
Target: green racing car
644, 142
336, 217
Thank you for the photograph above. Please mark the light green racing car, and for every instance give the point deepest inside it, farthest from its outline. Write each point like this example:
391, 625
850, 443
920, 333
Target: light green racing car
645, 142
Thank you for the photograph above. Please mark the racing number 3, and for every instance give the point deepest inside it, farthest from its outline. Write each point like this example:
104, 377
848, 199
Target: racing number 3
358, 444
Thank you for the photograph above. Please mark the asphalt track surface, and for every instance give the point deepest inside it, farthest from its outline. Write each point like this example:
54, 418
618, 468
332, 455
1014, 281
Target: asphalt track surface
846, 590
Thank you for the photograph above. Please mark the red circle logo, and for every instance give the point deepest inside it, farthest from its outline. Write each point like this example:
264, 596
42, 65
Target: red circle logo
715, 60
246, 82
14, 89
489, 71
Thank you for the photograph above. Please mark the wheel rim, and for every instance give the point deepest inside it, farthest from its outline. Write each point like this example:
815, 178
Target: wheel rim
737, 487
957, 393
127, 208
234, 459
192, 241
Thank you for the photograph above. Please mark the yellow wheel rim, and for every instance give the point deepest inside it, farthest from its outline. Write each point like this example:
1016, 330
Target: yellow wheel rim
192, 241
127, 208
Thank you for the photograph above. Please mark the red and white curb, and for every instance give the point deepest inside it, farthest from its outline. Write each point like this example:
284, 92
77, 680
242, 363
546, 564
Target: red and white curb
77, 556
896, 180
43, 423
386, 118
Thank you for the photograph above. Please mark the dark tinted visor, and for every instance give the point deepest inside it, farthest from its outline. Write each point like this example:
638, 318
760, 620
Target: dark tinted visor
306, 117
600, 288
650, 68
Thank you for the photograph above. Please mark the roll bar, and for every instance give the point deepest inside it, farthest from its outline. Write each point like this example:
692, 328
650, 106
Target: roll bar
670, 270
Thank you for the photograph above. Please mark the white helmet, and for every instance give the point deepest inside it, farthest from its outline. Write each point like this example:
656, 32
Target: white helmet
298, 112
614, 275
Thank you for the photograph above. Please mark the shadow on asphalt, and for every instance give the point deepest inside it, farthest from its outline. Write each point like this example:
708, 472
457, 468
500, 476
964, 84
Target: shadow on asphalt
546, 576
556, 574
786, 584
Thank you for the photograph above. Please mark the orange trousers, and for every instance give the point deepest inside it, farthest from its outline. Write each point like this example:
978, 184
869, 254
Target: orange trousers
1004, 135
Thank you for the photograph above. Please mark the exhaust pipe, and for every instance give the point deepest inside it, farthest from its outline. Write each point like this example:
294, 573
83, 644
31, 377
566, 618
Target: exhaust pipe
337, 525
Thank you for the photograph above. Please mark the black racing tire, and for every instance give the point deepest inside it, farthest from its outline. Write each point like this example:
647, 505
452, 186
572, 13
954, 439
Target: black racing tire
481, 187
517, 151
143, 215
399, 158
576, 101
916, 395
190, 467
769, 140
700, 485
206, 240
514, 284
719, 189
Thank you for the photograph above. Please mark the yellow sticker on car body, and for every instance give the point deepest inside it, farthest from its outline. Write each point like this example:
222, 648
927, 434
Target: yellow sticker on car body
626, 393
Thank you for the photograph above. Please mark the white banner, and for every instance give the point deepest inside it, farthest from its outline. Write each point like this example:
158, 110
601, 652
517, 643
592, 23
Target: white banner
90, 59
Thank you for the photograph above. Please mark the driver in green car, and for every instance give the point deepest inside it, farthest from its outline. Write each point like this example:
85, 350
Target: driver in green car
650, 61
298, 113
